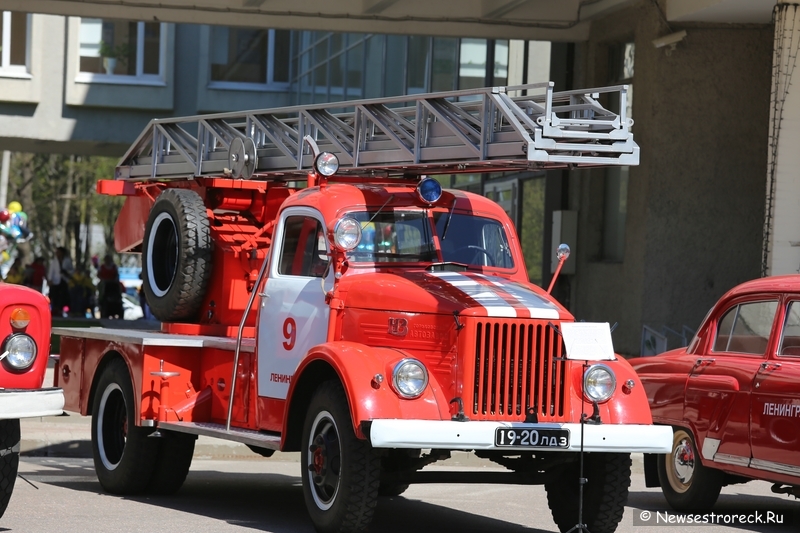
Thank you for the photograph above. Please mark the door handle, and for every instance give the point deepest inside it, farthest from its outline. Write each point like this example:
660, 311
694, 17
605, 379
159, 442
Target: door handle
769, 366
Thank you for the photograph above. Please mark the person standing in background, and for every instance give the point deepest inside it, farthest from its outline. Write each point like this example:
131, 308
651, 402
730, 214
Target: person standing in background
58, 275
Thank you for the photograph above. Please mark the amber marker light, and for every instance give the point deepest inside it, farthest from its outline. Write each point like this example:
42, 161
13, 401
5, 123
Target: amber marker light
20, 318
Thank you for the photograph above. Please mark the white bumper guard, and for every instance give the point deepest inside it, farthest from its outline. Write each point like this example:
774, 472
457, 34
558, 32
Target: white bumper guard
480, 435
30, 403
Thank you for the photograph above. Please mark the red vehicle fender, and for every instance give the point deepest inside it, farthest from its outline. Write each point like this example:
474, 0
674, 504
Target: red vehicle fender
626, 405
357, 365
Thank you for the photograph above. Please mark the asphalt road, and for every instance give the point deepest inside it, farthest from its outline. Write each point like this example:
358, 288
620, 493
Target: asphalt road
237, 495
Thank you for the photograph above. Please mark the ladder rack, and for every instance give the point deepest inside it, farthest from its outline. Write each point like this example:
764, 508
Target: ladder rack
479, 130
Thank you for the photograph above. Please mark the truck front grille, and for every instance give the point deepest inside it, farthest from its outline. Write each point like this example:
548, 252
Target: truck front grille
517, 366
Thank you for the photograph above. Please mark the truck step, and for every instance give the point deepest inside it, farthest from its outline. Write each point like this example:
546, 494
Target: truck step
245, 436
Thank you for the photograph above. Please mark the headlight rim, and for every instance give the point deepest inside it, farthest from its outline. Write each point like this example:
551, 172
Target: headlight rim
395, 373
336, 228
594, 368
7, 362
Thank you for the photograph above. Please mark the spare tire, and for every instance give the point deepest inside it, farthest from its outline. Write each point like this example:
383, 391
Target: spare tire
177, 251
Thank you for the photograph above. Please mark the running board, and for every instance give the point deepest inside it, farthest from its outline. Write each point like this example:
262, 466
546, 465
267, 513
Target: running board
258, 439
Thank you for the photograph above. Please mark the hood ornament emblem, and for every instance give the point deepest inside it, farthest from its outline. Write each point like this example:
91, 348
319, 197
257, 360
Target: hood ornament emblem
398, 327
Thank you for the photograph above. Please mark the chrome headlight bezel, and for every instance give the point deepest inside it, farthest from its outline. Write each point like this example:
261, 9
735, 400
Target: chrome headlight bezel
599, 383
347, 233
326, 164
21, 352
402, 378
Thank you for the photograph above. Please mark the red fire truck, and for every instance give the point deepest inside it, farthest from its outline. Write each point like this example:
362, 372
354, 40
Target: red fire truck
319, 292
24, 351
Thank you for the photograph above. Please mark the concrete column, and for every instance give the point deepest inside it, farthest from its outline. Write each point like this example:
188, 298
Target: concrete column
4, 179
781, 247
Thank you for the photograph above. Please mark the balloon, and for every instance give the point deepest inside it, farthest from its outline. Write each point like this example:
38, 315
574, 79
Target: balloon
5, 214
15, 207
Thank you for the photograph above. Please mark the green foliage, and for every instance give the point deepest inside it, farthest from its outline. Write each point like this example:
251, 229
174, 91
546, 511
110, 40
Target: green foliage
121, 52
58, 194
532, 230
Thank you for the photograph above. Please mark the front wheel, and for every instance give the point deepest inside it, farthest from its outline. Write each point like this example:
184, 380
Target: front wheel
124, 456
9, 460
685, 482
341, 474
605, 493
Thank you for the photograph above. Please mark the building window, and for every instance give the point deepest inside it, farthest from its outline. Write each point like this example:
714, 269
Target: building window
247, 56
14, 43
615, 207
121, 49
337, 66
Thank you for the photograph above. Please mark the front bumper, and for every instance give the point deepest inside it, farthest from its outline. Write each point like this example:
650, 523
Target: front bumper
30, 403
447, 435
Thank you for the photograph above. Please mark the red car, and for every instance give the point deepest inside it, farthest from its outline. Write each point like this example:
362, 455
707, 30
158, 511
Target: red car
24, 350
732, 397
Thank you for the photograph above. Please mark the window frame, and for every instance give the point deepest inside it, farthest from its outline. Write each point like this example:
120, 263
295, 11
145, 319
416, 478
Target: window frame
6, 69
787, 304
269, 85
737, 304
139, 78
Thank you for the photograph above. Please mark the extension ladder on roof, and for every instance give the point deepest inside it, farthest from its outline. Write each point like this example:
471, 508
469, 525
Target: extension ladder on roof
480, 130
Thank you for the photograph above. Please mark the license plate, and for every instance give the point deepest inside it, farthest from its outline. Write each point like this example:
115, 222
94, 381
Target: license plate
531, 438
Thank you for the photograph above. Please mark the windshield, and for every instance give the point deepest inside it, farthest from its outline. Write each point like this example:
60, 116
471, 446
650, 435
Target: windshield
407, 236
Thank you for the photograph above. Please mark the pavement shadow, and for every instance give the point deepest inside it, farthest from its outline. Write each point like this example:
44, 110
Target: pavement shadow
73, 449
274, 502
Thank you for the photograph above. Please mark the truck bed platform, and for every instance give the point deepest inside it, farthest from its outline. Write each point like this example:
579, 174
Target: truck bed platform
156, 338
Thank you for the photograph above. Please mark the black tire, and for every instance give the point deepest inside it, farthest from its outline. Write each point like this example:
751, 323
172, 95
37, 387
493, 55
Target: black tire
124, 455
177, 255
175, 452
341, 473
396, 462
685, 482
9, 460
604, 494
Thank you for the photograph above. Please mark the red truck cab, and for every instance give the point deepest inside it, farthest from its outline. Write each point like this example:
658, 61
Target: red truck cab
24, 352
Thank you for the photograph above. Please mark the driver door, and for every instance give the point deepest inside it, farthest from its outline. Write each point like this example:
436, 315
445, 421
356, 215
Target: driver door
293, 316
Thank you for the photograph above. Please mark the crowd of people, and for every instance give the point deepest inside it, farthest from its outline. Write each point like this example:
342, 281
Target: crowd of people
71, 290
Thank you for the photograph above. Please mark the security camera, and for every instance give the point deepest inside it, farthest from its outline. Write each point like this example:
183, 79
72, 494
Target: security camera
670, 40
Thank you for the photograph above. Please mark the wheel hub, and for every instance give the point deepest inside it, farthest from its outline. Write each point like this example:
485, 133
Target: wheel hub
683, 461
324, 462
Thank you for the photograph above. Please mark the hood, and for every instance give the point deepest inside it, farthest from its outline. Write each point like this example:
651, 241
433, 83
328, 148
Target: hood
465, 293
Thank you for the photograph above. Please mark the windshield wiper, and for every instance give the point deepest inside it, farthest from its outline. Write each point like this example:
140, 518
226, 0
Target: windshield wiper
449, 218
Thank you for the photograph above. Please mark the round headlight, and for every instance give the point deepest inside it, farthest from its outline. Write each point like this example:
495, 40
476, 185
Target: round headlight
326, 164
409, 378
19, 351
429, 190
599, 383
347, 233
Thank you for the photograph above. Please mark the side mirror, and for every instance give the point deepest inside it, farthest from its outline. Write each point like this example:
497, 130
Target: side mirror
562, 253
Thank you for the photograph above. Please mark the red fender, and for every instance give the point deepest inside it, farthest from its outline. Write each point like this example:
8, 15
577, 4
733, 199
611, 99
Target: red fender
626, 406
356, 365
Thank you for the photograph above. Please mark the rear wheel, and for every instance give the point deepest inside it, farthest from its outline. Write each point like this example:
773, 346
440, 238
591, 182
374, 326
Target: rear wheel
9, 460
685, 482
604, 494
124, 455
172, 463
341, 473
176, 251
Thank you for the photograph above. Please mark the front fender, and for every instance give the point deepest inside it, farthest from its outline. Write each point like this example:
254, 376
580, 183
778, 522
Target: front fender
356, 365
